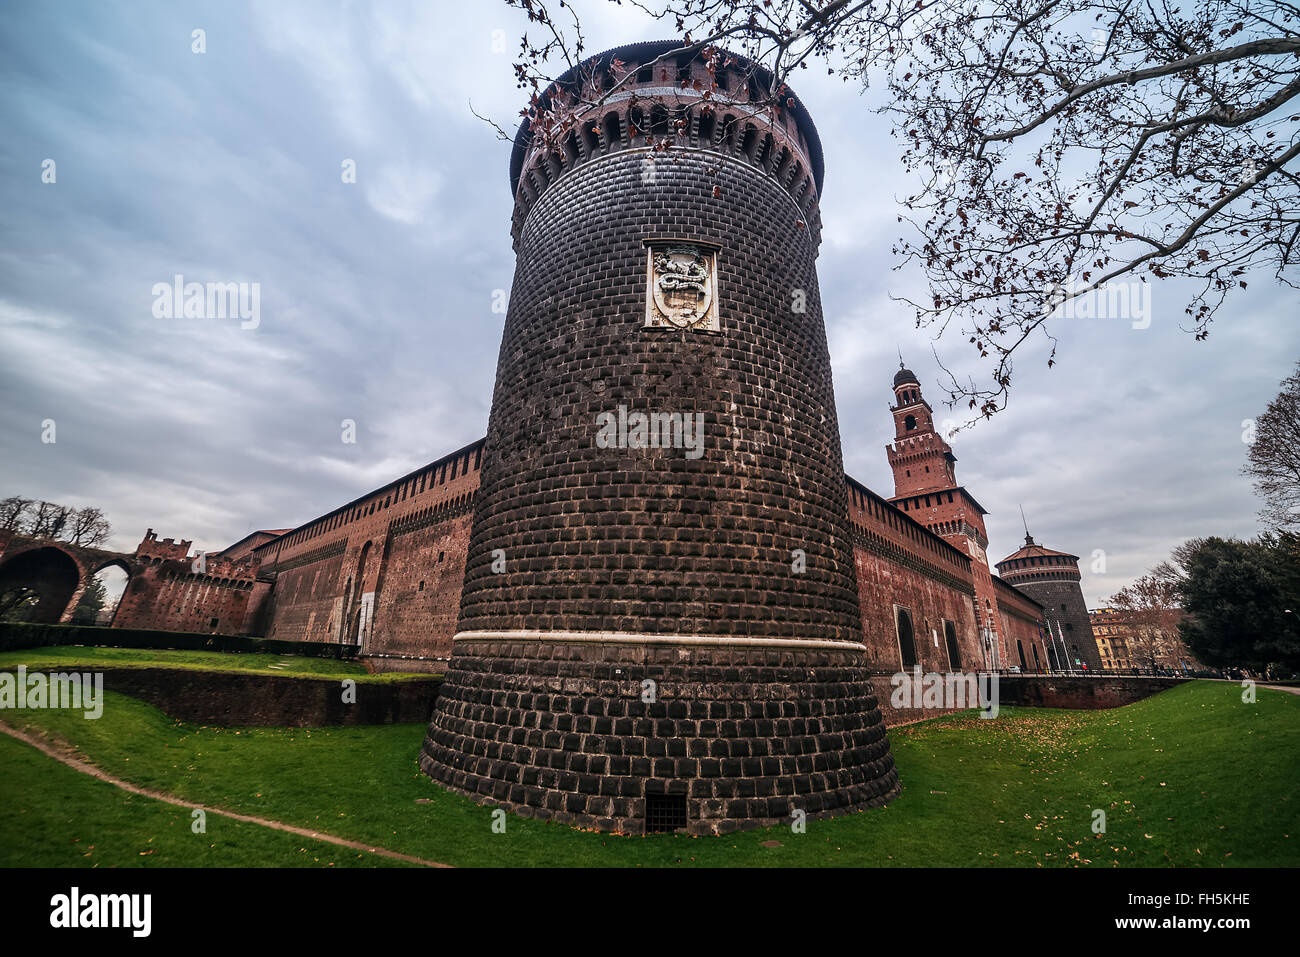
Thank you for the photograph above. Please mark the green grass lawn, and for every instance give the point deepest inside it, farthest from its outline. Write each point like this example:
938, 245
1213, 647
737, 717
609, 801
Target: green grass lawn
295, 666
53, 816
1190, 777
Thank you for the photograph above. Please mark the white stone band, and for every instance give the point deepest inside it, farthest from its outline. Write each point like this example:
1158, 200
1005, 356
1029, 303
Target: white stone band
629, 638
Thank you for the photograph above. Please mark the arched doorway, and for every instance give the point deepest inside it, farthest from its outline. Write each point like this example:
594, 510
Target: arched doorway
100, 598
363, 600
906, 638
950, 639
37, 585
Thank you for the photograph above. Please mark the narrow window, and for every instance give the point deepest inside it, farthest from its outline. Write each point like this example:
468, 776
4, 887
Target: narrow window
906, 639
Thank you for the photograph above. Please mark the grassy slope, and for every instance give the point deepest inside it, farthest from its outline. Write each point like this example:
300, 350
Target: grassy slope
72, 820
1192, 776
49, 659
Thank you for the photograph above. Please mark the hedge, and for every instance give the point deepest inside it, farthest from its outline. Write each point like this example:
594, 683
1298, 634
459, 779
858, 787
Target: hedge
15, 636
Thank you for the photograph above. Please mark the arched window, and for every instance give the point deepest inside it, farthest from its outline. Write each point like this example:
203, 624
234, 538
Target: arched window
906, 638
659, 120
636, 124
707, 126
748, 140
950, 639
909, 423
613, 132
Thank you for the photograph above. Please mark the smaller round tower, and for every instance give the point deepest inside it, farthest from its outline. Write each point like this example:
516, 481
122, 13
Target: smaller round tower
1052, 579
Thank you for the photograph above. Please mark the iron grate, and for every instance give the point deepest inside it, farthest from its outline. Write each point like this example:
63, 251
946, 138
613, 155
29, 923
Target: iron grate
664, 812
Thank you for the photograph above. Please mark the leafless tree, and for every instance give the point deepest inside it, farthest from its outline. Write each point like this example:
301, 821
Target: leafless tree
88, 527
1150, 608
1070, 151
1273, 459
14, 513
48, 520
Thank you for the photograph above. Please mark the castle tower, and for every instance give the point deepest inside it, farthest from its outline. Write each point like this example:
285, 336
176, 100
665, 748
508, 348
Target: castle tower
660, 627
925, 486
1052, 579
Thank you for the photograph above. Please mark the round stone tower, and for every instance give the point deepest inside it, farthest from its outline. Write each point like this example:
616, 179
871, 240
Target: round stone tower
1052, 579
659, 627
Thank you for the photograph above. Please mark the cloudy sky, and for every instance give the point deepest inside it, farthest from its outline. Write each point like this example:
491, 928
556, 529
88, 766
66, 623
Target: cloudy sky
376, 297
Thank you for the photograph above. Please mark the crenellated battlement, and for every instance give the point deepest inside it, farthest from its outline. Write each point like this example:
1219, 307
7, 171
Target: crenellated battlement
150, 547
670, 101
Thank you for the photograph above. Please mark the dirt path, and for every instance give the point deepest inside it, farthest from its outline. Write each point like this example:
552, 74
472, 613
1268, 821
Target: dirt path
63, 756
1289, 689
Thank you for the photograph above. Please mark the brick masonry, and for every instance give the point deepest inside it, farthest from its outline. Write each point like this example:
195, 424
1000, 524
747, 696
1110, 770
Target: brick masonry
745, 737
638, 541
1052, 579
746, 544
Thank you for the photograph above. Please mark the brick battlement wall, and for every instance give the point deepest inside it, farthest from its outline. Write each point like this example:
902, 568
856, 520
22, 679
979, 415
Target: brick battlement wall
166, 592
385, 570
1019, 618
425, 534
151, 548
902, 565
663, 103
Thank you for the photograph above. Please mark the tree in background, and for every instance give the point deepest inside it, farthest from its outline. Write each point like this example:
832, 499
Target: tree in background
91, 603
17, 601
88, 527
38, 519
13, 513
1242, 602
1273, 459
1151, 610
1069, 152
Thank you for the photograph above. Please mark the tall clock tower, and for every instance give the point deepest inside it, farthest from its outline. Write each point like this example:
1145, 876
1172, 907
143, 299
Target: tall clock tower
926, 487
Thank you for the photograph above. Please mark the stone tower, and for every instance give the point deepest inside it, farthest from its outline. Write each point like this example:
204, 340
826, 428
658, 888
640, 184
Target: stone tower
925, 486
1052, 579
660, 627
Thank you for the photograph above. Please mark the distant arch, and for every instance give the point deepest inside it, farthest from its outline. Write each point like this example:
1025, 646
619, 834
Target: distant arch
37, 584
115, 577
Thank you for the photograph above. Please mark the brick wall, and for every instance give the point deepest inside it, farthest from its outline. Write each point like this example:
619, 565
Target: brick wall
168, 595
1063, 604
902, 566
647, 540
275, 701
384, 571
1019, 618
